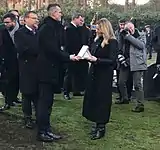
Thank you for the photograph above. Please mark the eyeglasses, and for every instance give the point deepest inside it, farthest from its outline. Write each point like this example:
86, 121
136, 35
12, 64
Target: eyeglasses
35, 18
7, 22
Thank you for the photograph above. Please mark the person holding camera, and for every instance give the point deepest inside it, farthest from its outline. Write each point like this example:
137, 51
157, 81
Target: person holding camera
132, 58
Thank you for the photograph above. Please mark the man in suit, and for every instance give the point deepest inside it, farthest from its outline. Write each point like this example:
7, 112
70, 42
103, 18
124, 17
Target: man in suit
8, 60
73, 78
48, 62
28, 51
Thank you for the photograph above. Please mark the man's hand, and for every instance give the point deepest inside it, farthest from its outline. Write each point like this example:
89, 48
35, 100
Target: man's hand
74, 57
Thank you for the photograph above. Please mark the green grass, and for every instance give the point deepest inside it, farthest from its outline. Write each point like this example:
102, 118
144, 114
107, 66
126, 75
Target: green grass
126, 130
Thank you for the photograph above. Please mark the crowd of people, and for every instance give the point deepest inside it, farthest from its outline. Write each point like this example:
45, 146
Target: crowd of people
40, 58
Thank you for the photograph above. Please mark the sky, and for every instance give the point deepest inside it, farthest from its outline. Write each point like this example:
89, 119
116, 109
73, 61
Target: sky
123, 1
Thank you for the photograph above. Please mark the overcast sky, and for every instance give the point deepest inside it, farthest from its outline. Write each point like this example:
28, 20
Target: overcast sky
123, 1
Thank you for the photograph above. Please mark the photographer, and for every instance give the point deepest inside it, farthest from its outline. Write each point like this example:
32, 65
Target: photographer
132, 58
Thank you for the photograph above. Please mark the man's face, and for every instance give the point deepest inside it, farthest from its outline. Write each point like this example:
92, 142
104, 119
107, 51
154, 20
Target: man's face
9, 24
147, 29
79, 21
121, 25
16, 14
32, 20
58, 14
21, 21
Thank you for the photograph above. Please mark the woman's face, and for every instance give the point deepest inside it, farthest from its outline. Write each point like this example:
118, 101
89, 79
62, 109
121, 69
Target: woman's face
98, 30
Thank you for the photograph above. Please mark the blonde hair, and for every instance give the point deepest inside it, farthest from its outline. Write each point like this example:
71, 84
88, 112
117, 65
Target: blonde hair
106, 30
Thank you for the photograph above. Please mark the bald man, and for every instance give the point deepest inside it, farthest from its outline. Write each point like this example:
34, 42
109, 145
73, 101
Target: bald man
133, 60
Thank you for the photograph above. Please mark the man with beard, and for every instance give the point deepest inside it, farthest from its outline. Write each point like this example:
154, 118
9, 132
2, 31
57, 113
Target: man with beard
8, 59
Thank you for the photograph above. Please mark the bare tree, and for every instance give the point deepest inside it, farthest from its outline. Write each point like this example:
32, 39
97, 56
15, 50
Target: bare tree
126, 6
133, 3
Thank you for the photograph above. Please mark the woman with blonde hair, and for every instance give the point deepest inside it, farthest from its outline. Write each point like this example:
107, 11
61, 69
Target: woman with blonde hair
98, 95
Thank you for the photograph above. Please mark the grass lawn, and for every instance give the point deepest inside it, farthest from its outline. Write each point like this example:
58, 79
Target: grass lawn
126, 130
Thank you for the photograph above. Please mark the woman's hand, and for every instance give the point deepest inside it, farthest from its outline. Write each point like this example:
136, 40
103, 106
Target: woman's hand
92, 58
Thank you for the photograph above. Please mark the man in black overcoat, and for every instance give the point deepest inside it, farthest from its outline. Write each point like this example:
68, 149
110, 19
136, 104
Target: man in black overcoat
8, 61
27, 48
74, 78
48, 62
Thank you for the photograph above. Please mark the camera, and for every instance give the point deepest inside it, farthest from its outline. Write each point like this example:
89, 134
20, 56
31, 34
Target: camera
125, 31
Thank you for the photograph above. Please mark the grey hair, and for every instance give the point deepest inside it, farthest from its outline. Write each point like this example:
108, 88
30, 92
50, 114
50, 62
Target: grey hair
76, 15
52, 8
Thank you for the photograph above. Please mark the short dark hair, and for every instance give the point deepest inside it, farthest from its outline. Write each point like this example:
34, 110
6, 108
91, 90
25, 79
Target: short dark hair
122, 21
10, 15
26, 15
52, 5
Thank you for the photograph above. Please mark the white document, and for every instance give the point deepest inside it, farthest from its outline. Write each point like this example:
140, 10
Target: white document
84, 52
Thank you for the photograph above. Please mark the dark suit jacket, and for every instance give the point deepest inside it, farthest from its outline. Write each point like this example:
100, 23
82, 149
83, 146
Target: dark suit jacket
73, 39
27, 48
51, 55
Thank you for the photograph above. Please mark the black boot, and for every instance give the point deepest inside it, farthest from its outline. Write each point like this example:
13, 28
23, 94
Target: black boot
99, 132
93, 129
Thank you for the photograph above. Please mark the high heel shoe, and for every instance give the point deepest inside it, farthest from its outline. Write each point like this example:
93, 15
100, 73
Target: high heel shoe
98, 134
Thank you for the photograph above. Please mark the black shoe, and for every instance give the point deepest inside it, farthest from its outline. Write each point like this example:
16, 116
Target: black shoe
78, 94
98, 134
13, 104
17, 101
54, 136
5, 107
138, 109
122, 102
118, 98
29, 123
44, 137
67, 97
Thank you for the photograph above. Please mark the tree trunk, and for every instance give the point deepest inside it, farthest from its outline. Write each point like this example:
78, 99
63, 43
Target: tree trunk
133, 4
126, 5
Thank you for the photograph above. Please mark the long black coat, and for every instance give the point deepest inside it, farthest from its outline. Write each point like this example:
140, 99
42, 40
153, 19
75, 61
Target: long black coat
8, 58
75, 38
27, 48
98, 94
51, 56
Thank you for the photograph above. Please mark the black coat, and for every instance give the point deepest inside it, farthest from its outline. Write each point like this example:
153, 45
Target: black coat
27, 48
8, 57
75, 38
51, 56
98, 94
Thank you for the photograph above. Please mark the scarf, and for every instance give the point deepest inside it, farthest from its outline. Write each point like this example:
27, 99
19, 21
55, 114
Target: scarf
11, 33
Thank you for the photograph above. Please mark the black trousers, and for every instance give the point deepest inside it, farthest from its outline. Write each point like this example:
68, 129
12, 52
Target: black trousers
67, 85
44, 107
11, 90
27, 104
